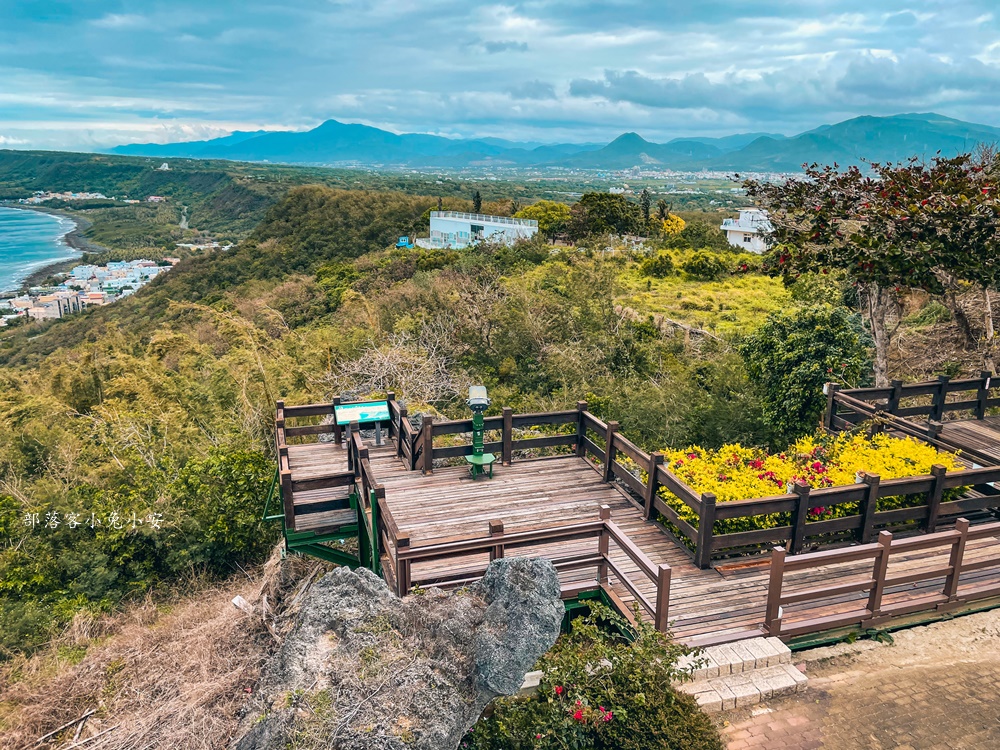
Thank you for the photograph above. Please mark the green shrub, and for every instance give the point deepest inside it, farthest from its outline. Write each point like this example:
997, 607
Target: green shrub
657, 266
793, 354
607, 686
705, 266
931, 314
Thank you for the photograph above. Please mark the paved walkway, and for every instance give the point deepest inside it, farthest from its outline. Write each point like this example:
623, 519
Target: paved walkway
937, 687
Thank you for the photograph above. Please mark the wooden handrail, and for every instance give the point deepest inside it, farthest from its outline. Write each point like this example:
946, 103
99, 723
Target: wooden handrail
880, 553
498, 542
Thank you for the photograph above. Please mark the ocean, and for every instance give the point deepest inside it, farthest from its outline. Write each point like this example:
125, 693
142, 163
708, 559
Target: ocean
30, 240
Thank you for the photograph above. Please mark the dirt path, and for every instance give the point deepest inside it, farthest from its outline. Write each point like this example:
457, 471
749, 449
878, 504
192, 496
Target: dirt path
937, 687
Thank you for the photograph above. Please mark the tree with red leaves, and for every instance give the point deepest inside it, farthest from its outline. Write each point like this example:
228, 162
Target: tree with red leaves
890, 227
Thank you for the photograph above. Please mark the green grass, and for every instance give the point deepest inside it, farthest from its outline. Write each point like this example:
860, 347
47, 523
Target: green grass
730, 306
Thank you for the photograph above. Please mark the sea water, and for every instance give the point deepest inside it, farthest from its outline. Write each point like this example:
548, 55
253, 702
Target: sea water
30, 240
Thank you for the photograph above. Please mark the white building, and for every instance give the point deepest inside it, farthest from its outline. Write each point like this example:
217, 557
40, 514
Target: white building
746, 232
457, 230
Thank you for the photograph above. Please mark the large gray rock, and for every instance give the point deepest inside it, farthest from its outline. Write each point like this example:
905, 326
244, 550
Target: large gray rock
363, 669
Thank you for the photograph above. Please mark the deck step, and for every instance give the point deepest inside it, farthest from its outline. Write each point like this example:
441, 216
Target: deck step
326, 521
742, 673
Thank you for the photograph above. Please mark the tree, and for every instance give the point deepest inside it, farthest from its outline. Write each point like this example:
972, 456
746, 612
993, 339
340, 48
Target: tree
646, 204
793, 354
604, 213
662, 209
698, 235
552, 216
477, 202
672, 224
859, 223
958, 224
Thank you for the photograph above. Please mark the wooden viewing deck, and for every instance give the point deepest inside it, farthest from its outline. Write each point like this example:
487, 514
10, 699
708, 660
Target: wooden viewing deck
421, 523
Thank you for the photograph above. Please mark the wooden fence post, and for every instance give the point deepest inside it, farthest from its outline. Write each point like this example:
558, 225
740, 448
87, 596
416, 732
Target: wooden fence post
878, 574
377, 492
581, 429
402, 566
652, 484
955, 562
496, 529
662, 598
401, 431
427, 436
507, 436
799, 518
831, 405
609, 451
934, 497
934, 430
937, 408
772, 614
984, 393
603, 546
897, 393
338, 431
706, 523
868, 507
288, 504
354, 429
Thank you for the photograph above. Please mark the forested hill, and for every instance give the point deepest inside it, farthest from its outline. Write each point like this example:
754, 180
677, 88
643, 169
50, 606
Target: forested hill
310, 227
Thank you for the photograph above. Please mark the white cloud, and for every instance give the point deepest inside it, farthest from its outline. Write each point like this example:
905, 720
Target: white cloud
121, 21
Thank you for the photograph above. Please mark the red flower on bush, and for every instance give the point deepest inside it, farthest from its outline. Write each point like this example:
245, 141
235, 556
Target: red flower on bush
578, 715
559, 689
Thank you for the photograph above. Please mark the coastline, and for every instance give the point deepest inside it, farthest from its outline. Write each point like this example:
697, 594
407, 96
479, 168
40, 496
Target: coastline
74, 240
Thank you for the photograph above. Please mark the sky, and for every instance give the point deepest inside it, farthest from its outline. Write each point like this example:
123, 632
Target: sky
89, 74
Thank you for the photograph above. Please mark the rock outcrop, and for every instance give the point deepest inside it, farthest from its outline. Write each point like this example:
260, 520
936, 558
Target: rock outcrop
365, 669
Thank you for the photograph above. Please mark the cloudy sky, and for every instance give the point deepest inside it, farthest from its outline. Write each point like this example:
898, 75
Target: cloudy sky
88, 74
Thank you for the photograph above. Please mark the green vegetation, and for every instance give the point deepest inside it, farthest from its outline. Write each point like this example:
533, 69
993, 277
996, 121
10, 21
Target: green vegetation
602, 690
793, 354
148, 405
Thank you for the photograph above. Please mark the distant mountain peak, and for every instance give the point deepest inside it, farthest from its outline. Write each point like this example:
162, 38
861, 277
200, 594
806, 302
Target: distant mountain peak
866, 137
629, 139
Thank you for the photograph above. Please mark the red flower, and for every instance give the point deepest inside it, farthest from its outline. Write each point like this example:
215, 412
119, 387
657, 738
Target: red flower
608, 715
578, 715
559, 689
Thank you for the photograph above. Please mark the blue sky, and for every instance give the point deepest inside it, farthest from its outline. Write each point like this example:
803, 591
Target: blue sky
88, 74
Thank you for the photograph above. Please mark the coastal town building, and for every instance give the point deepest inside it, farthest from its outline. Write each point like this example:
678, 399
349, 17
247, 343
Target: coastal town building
85, 286
747, 231
455, 229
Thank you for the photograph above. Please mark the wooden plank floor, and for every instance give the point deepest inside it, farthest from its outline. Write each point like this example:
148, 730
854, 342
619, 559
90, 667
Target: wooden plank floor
980, 435
555, 491
725, 601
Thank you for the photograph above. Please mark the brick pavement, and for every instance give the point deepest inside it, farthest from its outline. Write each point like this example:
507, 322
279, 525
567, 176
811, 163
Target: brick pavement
937, 688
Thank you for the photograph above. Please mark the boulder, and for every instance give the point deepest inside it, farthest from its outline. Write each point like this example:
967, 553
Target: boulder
364, 669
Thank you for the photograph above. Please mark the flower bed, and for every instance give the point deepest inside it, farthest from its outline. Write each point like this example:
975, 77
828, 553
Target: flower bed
735, 472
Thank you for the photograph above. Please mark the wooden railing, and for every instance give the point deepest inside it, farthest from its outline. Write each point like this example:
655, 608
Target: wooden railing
846, 411
282, 434
471, 555
817, 613
505, 424
311, 411
644, 475
901, 400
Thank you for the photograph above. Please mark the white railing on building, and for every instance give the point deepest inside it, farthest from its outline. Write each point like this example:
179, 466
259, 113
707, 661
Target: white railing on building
484, 218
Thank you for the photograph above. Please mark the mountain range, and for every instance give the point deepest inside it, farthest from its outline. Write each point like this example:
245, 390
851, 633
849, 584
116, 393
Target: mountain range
334, 143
